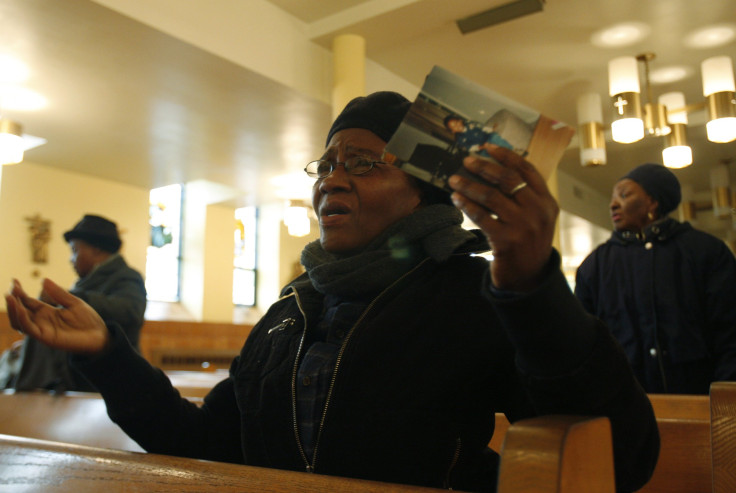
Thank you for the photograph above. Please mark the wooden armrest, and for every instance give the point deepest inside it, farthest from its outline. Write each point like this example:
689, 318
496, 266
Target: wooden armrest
560, 454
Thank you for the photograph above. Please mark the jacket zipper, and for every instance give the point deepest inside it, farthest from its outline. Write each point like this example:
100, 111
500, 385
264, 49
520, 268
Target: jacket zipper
294, 371
311, 467
453, 462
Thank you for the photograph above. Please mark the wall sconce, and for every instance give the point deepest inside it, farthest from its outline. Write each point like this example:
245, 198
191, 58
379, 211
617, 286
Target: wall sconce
11, 142
590, 130
718, 89
676, 152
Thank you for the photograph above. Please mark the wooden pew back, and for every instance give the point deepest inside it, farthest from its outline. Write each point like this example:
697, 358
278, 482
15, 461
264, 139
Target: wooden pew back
557, 454
723, 436
684, 464
177, 345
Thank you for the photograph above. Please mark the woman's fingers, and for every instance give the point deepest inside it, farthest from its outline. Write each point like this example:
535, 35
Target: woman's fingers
59, 295
514, 208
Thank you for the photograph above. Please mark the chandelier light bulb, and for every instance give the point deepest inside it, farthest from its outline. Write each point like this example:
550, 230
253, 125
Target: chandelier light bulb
719, 90
677, 156
627, 130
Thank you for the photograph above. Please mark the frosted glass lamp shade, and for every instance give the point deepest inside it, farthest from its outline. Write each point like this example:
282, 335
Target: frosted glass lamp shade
717, 75
623, 75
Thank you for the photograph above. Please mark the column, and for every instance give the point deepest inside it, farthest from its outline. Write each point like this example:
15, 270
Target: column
348, 70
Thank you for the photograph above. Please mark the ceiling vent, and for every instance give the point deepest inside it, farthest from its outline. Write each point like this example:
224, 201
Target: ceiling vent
498, 15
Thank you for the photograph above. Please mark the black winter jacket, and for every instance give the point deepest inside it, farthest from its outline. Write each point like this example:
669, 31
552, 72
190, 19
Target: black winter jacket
417, 383
669, 297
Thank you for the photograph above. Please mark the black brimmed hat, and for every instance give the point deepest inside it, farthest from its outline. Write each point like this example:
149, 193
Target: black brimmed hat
97, 231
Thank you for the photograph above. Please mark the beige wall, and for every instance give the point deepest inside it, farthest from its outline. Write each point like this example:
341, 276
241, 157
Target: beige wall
63, 198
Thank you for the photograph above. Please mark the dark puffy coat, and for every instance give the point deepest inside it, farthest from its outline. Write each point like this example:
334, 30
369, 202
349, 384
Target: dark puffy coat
417, 383
669, 298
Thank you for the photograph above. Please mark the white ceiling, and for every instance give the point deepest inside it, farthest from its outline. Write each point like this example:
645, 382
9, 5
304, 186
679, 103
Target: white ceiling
132, 104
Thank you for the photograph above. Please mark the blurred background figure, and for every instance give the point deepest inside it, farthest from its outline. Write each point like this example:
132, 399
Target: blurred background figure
666, 290
106, 282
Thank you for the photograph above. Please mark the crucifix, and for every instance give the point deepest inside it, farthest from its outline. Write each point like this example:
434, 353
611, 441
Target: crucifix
619, 104
40, 230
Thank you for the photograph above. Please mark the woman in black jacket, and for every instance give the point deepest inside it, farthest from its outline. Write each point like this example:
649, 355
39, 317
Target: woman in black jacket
388, 358
666, 290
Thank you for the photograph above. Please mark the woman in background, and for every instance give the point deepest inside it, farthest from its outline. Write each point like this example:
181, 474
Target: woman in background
666, 290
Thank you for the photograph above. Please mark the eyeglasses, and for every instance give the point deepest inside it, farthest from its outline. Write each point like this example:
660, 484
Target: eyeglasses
356, 165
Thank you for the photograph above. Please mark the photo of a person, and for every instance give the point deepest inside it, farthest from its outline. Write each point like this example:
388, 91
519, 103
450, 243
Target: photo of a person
474, 136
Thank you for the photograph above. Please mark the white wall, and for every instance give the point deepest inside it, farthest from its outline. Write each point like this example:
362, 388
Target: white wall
578, 198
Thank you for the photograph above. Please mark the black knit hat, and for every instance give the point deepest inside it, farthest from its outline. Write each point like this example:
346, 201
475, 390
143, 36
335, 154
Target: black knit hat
659, 183
97, 231
380, 112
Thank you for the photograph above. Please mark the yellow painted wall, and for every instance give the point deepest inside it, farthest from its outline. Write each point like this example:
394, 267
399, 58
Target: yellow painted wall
63, 198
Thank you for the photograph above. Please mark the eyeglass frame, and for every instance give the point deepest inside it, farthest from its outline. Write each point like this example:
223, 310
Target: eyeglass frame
348, 169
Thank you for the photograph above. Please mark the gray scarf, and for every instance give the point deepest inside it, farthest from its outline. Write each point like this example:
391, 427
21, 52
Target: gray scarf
433, 231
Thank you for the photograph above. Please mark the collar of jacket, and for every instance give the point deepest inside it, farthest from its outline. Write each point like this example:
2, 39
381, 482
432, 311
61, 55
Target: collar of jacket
658, 231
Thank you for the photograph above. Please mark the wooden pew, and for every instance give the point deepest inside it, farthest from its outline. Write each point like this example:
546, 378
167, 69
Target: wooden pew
557, 454
42, 466
723, 436
74, 417
180, 345
195, 383
174, 345
684, 464
574, 453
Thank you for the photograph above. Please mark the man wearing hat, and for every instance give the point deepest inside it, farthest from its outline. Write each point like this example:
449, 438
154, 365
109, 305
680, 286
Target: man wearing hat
106, 282
666, 290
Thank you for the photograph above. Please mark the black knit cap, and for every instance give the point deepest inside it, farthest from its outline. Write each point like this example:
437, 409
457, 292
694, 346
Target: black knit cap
659, 183
381, 113
97, 231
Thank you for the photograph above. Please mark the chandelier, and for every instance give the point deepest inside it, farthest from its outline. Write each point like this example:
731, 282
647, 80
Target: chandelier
666, 117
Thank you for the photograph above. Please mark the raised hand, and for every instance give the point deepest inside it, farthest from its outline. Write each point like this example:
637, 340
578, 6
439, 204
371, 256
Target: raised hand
517, 214
72, 325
